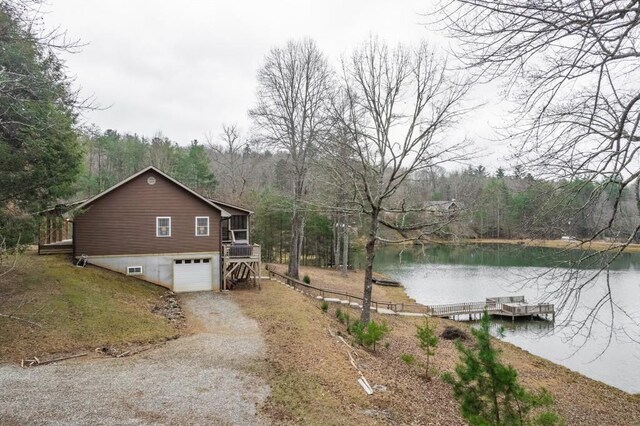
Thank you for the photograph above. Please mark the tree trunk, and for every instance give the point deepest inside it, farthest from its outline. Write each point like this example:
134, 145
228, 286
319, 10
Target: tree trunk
281, 240
336, 244
301, 240
296, 244
345, 248
426, 373
368, 270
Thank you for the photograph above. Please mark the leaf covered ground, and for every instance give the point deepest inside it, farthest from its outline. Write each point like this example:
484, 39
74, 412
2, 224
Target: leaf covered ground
313, 381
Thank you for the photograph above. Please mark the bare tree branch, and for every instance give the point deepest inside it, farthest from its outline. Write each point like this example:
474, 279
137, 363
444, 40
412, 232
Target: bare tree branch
573, 70
390, 119
294, 90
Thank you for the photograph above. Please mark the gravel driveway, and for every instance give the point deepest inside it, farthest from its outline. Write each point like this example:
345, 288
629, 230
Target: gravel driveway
200, 379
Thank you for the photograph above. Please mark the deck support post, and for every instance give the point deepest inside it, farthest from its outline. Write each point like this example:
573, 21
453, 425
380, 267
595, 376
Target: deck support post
244, 267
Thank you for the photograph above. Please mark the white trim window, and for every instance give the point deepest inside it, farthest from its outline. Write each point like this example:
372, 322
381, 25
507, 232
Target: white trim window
134, 270
202, 226
163, 226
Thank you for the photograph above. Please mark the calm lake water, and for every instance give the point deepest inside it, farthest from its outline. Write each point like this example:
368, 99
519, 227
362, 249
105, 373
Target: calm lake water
450, 274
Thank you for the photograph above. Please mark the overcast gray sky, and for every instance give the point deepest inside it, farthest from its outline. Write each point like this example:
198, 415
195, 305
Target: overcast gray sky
184, 68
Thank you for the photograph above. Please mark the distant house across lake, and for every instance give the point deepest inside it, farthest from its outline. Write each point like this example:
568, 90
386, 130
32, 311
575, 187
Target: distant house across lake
442, 206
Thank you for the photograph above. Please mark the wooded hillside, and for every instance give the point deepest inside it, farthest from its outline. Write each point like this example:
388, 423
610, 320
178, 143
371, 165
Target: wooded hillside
501, 204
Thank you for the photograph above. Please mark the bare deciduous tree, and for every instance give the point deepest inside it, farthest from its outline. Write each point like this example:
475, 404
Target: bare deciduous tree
394, 107
231, 161
294, 87
162, 152
573, 68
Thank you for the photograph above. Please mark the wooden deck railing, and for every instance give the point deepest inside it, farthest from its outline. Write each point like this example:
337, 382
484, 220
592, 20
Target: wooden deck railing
241, 251
326, 293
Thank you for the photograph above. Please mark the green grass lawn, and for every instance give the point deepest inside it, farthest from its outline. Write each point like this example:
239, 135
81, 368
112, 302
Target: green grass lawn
78, 308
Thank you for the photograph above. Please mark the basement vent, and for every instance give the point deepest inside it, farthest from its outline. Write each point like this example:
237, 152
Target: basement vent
134, 270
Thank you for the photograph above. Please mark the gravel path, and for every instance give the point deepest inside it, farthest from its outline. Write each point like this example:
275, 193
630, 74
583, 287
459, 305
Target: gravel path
200, 379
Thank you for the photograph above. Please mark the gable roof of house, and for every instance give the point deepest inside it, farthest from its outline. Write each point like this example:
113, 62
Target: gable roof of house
223, 212
62, 208
441, 205
232, 206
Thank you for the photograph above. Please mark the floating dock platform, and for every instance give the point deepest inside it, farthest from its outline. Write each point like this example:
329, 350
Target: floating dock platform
511, 307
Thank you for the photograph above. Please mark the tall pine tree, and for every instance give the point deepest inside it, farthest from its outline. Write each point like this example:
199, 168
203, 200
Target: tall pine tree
40, 156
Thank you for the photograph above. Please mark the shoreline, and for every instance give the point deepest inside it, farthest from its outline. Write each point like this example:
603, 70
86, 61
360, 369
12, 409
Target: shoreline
399, 294
516, 348
604, 246
313, 380
467, 324
559, 244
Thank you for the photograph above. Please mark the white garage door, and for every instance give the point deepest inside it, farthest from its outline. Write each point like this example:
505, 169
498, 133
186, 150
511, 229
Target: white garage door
191, 275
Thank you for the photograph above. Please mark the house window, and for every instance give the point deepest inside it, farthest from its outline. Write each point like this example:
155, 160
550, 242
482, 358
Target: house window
235, 229
240, 236
202, 226
163, 226
134, 270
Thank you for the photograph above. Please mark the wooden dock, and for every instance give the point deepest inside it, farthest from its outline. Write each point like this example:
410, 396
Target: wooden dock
511, 307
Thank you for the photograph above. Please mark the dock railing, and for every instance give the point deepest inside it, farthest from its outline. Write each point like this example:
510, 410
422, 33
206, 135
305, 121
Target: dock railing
464, 308
326, 293
542, 308
506, 299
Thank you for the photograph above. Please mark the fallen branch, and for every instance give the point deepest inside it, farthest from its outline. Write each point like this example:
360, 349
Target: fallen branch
35, 361
345, 342
13, 317
361, 380
353, 362
144, 349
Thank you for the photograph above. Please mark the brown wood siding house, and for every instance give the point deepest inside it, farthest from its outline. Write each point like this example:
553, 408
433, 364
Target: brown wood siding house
152, 226
124, 220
